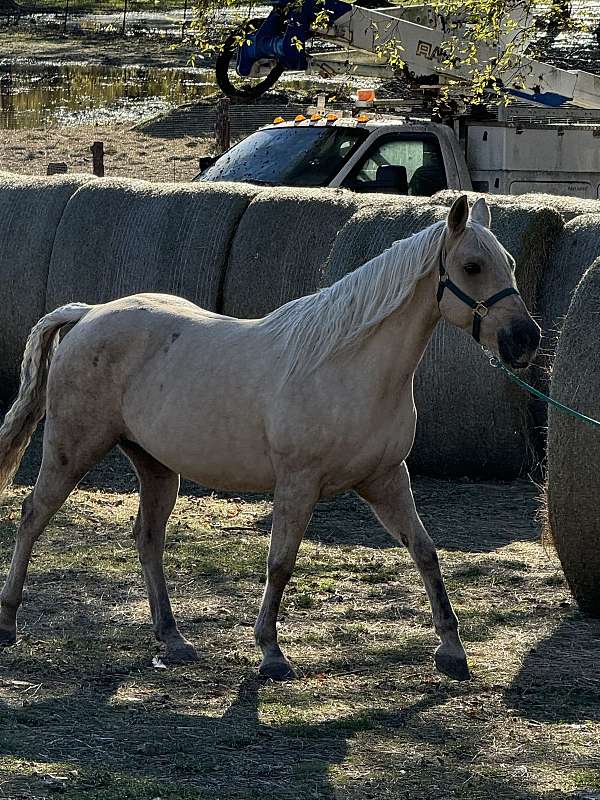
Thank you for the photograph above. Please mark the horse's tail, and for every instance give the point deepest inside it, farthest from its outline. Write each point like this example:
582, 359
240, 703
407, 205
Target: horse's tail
28, 409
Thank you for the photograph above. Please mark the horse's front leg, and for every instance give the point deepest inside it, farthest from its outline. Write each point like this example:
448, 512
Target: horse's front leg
392, 500
293, 503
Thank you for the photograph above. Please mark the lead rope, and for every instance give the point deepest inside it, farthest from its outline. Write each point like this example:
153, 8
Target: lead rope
497, 364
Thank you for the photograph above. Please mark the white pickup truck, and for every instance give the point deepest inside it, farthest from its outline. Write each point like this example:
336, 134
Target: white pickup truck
518, 149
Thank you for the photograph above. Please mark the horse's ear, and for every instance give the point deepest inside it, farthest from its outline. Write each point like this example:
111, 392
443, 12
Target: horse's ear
481, 212
458, 215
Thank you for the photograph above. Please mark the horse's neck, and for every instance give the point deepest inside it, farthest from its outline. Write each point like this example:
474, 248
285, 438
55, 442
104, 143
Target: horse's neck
393, 352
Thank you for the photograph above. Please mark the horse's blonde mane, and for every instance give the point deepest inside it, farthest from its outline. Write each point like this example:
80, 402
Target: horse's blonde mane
315, 327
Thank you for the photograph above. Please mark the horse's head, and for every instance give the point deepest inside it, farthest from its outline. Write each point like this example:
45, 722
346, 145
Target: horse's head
477, 290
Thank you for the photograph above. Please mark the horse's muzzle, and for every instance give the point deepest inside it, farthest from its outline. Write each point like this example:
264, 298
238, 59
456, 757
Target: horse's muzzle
518, 342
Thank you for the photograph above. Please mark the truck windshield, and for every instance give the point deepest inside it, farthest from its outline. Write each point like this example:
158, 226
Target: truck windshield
287, 156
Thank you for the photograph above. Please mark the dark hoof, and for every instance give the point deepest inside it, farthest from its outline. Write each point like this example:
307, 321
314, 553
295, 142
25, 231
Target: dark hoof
7, 637
277, 671
455, 667
181, 654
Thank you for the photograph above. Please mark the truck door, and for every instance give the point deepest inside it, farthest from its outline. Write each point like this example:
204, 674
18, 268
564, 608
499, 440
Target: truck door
400, 163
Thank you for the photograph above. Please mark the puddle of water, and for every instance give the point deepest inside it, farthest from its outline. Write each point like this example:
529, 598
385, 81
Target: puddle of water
38, 95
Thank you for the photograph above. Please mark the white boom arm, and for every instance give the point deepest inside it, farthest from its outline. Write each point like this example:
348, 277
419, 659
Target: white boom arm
367, 30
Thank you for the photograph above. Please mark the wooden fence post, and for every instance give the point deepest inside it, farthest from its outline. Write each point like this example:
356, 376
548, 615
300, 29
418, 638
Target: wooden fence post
98, 159
222, 125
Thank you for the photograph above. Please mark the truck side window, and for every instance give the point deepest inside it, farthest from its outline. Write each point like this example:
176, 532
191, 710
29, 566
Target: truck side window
401, 165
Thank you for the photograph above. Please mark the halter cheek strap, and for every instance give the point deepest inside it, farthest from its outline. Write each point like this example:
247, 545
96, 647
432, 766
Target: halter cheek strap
480, 308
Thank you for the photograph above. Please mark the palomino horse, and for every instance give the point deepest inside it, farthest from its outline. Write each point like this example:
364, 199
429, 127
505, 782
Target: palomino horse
313, 399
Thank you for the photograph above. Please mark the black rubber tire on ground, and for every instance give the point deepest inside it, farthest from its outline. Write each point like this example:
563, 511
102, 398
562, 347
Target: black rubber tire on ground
230, 47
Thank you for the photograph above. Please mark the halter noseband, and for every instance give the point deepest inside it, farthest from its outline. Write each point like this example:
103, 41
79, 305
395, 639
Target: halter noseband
480, 308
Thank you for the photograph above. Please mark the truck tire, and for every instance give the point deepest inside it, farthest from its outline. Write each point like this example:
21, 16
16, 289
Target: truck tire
229, 52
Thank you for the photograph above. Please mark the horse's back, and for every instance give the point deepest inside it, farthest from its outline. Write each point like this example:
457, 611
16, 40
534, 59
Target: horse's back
186, 384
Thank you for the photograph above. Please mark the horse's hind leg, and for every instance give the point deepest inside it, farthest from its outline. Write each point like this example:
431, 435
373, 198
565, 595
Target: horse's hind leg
392, 500
293, 504
65, 461
159, 487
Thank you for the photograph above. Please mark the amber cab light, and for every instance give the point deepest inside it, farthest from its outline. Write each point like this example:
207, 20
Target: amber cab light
365, 95
278, 120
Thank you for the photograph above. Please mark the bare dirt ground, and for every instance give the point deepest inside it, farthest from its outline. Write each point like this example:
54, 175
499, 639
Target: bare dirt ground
85, 715
127, 153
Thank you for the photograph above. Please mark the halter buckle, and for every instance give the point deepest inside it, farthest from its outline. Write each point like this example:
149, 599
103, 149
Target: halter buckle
480, 310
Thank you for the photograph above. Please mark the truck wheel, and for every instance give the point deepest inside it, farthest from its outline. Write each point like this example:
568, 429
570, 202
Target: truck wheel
249, 90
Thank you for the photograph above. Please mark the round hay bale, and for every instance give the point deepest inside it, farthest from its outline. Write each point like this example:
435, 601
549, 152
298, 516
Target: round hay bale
446, 197
30, 212
471, 419
373, 229
568, 207
119, 237
573, 482
281, 246
577, 248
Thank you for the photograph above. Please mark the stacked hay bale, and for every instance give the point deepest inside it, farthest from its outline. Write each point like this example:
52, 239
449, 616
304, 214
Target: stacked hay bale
577, 248
568, 207
281, 246
499, 425
30, 211
119, 237
573, 484
374, 228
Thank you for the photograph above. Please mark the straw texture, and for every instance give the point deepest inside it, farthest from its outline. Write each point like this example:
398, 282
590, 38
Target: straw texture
119, 237
281, 246
577, 248
573, 485
30, 211
568, 207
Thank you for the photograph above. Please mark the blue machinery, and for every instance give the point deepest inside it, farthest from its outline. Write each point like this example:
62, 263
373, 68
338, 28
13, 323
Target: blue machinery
267, 47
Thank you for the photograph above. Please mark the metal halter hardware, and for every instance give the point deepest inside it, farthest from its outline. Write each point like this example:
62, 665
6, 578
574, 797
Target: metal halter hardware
480, 308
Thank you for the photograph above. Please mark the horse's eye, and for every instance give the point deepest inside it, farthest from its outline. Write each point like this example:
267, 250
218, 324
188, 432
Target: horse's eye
472, 269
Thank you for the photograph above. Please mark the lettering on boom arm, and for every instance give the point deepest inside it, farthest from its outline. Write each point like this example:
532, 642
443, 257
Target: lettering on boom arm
429, 51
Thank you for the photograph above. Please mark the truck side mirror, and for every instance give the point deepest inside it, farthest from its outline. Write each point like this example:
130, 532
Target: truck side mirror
205, 162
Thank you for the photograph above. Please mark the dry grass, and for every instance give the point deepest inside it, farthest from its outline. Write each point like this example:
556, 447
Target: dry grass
127, 153
84, 713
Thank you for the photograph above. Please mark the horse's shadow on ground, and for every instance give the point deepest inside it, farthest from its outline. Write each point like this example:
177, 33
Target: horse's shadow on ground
459, 514
237, 749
